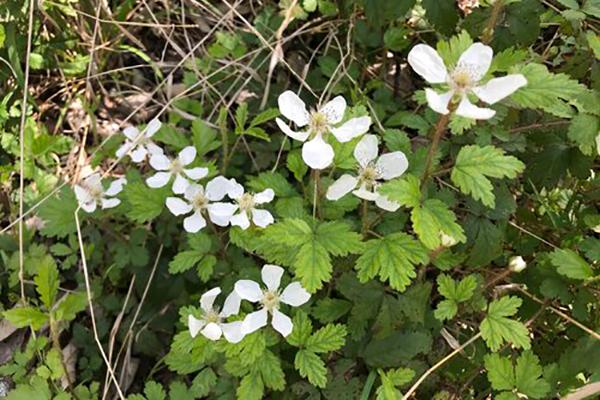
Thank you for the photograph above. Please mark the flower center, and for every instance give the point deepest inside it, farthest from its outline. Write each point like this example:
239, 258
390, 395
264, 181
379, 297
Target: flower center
94, 191
318, 123
212, 316
270, 300
246, 202
176, 167
199, 202
463, 77
369, 175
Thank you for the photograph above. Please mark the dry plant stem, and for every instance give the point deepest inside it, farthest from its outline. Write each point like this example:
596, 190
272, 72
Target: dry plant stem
418, 383
88, 290
440, 128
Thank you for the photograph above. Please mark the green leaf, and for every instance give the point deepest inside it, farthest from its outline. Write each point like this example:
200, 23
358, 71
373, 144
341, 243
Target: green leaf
446, 309
460, 292
145, 203
499, 371
451, 50
265, 116
443, 14
46, 282
338, 239
570, 264
393, 257
251, 387
310, 366
273, 180
583, 131
70, 305
313, 266
296, 165
329, 310
22, 317
203, 382
474, 164
527, 377
497, 328
328, 338
185, 260
241, 116
404, 191
154, 391
301, 331
433, 218
269, 366
58, 214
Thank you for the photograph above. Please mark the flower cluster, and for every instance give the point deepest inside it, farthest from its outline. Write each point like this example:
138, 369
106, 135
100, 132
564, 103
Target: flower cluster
270, 298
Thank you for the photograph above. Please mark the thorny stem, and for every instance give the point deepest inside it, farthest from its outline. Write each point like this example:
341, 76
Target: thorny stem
488, 31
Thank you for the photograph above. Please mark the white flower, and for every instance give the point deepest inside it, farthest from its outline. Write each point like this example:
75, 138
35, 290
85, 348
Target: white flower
246, 204
516, 264
137, 144
168, 168
370, 174
270, 299
199, 201
211, 324
90, 192
316, 152
472, 66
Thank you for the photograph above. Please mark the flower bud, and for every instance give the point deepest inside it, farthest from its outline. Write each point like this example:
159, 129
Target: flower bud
516, 264
447, 240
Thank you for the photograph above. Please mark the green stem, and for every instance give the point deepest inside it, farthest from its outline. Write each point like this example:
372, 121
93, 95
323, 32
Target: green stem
365, 217
316, 178
368, 385
440, 128
488, 31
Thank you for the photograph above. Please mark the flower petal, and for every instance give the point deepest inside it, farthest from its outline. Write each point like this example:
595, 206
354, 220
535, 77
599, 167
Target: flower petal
293, 108
138, 154
178, 206
254, 321
386, 204
241, 220
426, 62
187, 155
94, 182
153, 148
89, 206
195, 325
124, 149
282, 323
115, 187
352, 128
152, 127
82, 195
131, 133
392, 165
301, 135
271, 276
220, 213
160, 162
158, 180
194, 223
438, 102
366, 150
365, 194
235, 190
217, 188
294, 295
192, 191
248, 290
196, 173
262, 218
180, 184
341, 187
232, 331
109, 203
231, 305
317, 154
208, 299
477, 59
498, 88
469, 110
334, 110
212, 331
266, 196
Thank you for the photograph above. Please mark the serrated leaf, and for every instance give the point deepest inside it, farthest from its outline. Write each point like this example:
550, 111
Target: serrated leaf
46, 283
265, 116
154, 391
338, 239
58, 214
22, 317
269, 366
296, 165
527, 376
301, 331
499, 371
433, 218
329, 310
583, 131
310, 366
446, 309
145, 203
313, 266
185, 260
272, 180
393, 258
497, 328
203, 382
251, 387
475, 164
328, 338
570, 264
70, 305
404, 191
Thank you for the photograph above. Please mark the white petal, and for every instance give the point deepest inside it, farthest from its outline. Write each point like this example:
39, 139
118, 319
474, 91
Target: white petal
208, 299
160, 162
294, 295
366, 150
477, 58
131, 132
178, 206
469, 110
293, 108
365, 194
180, 184
124, 149
235, 190
498, 88
154, 149
194, 223
232, 331
110, 203
392, 165
195, 325
94, 182
196, 173
82, 195
217, 188
282, 323
158, 180
341, 187
138, 154
438, 102
187, 155
254, 321
266, 196
231, 305
386, 204
317, 154
301, 135
115, 187
221, 213
262, 218
152, 128
334, 110
240, 220
248, 290
192, 191
426, 62
212, 331
271, 276
89, 206
352, 128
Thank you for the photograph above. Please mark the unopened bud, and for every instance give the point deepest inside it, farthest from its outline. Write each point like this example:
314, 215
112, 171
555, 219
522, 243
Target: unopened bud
516, 264
447, 240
